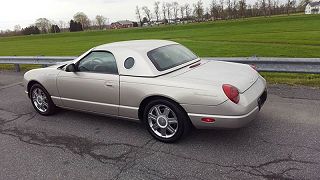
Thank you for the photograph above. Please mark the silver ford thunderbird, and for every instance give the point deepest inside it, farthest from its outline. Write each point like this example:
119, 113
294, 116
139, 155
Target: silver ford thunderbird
160, 83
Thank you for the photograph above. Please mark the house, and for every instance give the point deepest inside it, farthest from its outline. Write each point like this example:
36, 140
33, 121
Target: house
313, 8
122, 24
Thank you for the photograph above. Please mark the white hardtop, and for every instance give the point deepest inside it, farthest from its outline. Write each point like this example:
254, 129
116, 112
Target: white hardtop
138, 50
141, 46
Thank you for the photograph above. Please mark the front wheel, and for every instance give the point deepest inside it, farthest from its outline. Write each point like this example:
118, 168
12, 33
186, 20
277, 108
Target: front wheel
41, 100
166, 121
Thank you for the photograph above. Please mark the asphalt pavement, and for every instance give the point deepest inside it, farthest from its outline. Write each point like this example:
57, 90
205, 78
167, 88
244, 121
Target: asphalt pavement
282, 143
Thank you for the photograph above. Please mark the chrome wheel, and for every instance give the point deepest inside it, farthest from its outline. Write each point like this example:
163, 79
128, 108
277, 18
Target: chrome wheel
40, 100
163, 121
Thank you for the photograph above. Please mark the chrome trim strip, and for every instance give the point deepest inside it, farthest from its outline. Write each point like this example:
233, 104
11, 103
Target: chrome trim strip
96, 103
55, 97
129, 107
226, 117
89, 102
104, 114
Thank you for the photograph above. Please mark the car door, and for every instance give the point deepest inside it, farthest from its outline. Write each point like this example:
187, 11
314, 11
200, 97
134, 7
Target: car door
94, 86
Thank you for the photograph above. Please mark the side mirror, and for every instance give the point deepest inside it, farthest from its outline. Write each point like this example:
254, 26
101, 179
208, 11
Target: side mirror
71, 68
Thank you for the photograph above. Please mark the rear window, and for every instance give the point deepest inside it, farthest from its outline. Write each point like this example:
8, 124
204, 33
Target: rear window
167, 57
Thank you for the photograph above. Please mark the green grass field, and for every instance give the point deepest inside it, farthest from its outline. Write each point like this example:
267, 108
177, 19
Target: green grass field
278, 36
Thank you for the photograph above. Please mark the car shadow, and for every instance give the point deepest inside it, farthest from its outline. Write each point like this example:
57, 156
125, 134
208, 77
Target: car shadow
212, 136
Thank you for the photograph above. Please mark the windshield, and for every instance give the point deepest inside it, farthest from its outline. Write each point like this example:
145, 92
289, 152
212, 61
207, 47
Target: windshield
167, 57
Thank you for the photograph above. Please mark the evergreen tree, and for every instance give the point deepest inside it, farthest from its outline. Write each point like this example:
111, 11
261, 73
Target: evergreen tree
55, 29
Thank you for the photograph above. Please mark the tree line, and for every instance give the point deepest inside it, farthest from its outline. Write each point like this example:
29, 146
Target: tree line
167, 13
80, 22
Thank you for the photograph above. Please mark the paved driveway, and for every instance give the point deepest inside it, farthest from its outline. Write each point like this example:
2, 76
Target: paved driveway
282, 143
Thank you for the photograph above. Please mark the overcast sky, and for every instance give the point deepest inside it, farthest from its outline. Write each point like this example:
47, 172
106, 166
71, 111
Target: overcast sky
25, 12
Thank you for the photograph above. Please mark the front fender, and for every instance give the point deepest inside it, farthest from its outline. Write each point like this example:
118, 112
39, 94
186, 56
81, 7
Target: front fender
47, 77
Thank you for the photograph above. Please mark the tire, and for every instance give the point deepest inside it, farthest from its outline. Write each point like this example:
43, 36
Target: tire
41, 100
166, 121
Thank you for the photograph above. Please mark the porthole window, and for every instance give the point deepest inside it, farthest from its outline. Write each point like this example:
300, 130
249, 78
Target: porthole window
129, 63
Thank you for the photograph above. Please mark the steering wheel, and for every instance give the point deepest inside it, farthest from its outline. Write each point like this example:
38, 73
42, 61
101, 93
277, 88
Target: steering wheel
89, 65
96, 61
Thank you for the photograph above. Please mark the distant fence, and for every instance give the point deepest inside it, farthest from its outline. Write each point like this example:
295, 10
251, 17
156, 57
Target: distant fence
264, 64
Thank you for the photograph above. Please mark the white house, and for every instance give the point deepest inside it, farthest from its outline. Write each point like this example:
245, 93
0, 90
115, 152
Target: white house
313, 8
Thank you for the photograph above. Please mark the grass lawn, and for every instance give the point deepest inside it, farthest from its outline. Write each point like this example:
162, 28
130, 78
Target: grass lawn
278, 36
292, 79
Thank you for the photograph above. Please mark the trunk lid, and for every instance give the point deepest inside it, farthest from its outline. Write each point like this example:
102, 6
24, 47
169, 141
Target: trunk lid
218, 73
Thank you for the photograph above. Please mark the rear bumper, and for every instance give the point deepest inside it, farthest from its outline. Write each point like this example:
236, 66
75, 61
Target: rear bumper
229, 115
225, 122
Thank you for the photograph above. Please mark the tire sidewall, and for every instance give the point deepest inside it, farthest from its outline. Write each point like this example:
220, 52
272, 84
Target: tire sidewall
51, 106
182, 119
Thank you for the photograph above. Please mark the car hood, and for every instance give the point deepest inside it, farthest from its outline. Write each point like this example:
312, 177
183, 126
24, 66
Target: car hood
218, 73
60, 64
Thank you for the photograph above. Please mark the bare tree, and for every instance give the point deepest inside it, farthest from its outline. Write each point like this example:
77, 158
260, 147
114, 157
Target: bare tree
17, 28
264, 7
242, 8
101, 21
164, 12
62, 25
139, 15
207, 15
222, 9
157, 10
269, 8
187, 10
83, 19
234, 9
288, 7
214, 11
182, 9
147, 12
255, 9
169, 6
229, 9
43, 24
275, 6
293, 5
198, 10
175, 8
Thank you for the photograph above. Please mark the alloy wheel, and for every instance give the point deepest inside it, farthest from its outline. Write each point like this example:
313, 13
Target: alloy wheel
40, 100
163, 121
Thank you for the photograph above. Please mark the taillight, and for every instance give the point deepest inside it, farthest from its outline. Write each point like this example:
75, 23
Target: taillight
231, 92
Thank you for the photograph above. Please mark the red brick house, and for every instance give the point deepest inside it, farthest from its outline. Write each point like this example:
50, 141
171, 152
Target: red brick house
122, 24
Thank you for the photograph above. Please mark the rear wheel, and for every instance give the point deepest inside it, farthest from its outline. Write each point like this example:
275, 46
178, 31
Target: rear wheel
41, 100
166, 121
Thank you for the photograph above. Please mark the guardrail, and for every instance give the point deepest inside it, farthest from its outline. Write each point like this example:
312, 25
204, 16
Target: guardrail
264, 64
36, 60
275, 64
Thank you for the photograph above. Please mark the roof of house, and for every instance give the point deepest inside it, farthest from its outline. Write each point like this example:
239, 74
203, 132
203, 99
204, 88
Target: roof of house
313, 4
125, 22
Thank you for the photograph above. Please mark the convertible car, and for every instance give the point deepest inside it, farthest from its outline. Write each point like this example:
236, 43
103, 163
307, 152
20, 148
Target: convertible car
160, 83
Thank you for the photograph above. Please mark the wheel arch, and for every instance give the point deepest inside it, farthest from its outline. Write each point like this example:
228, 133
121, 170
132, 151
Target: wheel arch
30, 84
148, 99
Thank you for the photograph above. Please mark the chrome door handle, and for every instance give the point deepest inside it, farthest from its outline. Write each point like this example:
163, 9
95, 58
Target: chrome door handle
108, 84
